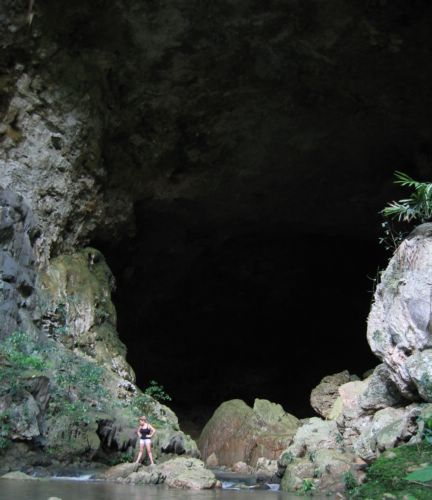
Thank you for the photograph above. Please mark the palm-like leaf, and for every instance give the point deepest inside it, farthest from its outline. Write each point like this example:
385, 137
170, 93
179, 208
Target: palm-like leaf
417, 206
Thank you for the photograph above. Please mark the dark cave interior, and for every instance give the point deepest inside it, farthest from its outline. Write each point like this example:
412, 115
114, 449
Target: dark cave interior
257, 183
254, 312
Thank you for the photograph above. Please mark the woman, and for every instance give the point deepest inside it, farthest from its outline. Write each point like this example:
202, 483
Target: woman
145, 432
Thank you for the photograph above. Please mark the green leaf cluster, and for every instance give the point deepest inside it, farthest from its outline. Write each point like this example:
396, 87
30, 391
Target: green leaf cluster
417, 207
157, 391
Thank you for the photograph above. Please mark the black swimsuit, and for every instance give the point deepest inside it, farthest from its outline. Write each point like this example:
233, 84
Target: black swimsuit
144, 433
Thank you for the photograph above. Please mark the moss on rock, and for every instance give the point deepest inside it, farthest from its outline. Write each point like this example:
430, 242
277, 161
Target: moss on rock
387, 474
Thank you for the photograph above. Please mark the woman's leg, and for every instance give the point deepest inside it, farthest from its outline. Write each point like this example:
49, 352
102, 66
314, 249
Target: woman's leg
140, 454
149, 452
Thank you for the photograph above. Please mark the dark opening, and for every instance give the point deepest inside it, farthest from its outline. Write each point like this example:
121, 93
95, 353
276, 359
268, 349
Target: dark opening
214, 312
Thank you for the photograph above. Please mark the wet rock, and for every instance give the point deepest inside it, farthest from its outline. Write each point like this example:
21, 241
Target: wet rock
17, 475
212, 461
241, 468
266, 470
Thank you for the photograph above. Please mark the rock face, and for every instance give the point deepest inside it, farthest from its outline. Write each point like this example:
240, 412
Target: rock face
238, 433
399, 323
76, 146
76, 308
18, 231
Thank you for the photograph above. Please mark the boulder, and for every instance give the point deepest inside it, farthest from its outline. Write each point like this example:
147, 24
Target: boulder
266, 470
324, 395
314, 435
239, 433
380, 391
187, 473
212, 461
399, 323
17, 475
388, 428
318, 459
132, 473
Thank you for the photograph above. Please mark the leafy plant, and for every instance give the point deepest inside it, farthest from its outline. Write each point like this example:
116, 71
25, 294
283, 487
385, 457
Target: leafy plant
350, 481
418, 206
5, 429
422, 475
20, 349
392, 237
427, 428
157, 391
307, 486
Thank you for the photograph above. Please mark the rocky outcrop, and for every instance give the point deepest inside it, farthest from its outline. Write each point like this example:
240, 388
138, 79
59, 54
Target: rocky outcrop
238, 433
77, 311
18, 231
182, 473
317, 459
389, 427
399, 323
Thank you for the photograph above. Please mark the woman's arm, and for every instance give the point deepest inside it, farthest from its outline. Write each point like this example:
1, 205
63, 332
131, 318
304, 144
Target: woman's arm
153, 430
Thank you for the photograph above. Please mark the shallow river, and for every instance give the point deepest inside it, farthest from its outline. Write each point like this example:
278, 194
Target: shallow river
94, 490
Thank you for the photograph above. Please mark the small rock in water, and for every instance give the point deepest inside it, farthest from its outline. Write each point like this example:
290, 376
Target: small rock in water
54, 498
16, 475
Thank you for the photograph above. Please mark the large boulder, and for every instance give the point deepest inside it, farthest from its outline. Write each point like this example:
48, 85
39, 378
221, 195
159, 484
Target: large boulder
187, 473
313, 435
399, 323
181, 472
390, 427
380, 391
238, 433
324, 395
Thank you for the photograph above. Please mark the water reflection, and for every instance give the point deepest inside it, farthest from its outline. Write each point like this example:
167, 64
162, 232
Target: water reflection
74, 490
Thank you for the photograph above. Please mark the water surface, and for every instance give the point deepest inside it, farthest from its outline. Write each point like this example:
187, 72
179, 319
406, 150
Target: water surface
100, 490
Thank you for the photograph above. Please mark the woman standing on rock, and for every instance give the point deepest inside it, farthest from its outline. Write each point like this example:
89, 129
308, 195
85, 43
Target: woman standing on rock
145, 432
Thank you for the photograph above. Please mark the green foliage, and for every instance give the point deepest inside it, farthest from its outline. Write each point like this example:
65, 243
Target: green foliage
392, 237
426, 427
350, 481
5, 429
157, 391
141, 403
77, 391
307, 486
417, 207
287, 457
20, 349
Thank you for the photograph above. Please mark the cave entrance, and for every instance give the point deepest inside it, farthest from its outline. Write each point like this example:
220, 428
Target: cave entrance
217, 310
